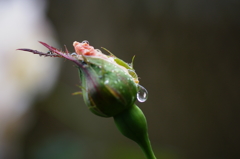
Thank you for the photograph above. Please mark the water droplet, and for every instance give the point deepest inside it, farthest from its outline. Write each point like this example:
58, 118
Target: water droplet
73, 54
50, 52
142, 94
85, 41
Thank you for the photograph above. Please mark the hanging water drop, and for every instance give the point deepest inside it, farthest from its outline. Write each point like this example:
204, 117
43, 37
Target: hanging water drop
142, 94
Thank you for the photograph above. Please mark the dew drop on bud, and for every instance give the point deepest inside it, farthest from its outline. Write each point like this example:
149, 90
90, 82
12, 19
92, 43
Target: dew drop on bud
85, 41
142, 94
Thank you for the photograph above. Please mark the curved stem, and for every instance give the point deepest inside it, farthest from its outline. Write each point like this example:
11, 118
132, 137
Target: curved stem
132, 124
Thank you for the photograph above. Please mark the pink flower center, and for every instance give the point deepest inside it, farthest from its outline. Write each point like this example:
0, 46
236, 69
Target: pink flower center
87, 50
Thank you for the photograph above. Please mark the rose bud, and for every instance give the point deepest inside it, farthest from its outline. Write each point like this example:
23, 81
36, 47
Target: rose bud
110, 88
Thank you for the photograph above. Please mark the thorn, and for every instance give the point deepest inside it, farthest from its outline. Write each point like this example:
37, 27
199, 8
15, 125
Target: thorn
66, 50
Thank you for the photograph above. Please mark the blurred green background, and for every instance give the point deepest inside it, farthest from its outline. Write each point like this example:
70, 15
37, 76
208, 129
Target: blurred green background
187, 57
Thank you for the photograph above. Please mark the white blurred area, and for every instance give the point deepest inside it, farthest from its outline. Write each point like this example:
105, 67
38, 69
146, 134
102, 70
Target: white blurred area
24, 77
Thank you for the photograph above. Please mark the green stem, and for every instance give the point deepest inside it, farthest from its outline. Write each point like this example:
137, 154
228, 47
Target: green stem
132, 124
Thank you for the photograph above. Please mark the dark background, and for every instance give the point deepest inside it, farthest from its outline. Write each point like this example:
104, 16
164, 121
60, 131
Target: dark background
187, 57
